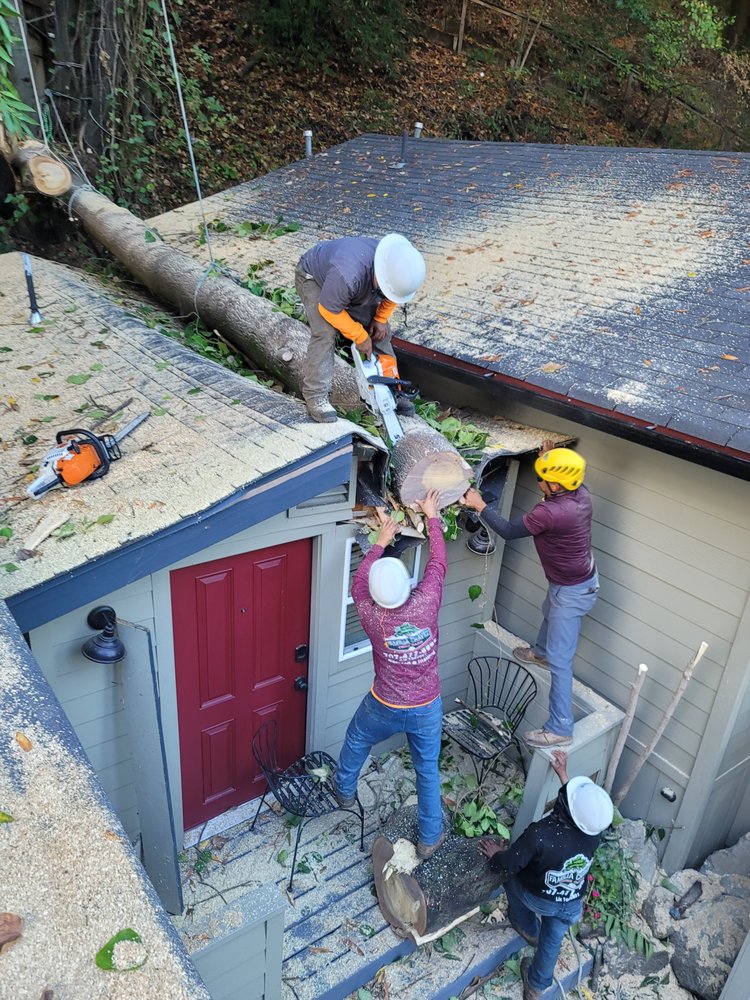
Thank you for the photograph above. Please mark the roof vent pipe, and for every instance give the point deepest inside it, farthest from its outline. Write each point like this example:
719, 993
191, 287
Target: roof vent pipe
418, 126
308, 143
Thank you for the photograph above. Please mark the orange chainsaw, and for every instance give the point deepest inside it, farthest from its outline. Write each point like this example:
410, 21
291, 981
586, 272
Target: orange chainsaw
79, 455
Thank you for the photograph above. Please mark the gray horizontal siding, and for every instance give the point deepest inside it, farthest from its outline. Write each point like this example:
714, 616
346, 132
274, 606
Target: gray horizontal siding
672, 574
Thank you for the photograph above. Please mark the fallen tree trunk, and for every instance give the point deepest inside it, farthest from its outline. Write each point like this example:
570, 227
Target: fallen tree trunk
425, 899
274, 342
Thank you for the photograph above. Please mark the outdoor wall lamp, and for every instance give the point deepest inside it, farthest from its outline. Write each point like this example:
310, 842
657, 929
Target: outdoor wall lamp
107, 647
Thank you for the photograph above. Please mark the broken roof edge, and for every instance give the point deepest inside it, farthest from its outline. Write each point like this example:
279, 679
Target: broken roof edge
720, 458
28, 702
273, 494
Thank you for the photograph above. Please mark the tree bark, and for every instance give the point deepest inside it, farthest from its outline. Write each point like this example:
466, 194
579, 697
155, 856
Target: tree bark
438, 892
275, 342
422, 460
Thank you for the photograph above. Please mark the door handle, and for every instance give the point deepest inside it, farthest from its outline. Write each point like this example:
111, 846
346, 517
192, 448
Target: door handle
300, 684
301, 653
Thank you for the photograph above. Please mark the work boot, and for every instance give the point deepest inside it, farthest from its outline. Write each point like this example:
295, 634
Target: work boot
527, 655
404, 406
544, 738
344, 801
425, 851
320, 409
529, 993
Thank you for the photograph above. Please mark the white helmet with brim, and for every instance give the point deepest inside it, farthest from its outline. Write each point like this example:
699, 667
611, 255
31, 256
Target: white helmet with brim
389, 582
590, 807
399, 268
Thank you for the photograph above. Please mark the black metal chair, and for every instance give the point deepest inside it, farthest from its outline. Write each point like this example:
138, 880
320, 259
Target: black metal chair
501, 690
297, 788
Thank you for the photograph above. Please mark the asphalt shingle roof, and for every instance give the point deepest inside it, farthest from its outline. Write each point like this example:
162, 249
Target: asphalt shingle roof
617, 279
209, 434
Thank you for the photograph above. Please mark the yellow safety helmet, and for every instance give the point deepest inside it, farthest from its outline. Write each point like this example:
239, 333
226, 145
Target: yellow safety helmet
563, 466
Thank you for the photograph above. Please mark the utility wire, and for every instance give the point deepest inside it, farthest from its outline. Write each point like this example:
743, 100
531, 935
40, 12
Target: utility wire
183, 113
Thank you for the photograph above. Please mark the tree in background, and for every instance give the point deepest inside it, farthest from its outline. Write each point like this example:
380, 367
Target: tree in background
351, 33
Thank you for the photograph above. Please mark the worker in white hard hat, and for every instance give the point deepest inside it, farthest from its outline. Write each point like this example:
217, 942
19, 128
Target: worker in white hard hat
546, 870
402, 624
351, 286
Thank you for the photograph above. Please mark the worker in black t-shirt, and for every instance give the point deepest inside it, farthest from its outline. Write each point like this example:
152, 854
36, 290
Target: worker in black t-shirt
547, 866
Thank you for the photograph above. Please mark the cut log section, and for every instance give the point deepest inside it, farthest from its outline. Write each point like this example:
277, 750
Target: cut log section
423, 898
423, 460
40, 171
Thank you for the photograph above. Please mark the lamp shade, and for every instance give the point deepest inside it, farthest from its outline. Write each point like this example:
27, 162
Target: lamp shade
106, 647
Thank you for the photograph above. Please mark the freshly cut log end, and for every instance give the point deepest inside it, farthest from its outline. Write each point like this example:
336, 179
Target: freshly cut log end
45, 173
436, 893
422, 461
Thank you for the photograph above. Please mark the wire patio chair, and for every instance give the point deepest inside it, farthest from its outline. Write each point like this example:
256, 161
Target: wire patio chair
500, 691
304, 788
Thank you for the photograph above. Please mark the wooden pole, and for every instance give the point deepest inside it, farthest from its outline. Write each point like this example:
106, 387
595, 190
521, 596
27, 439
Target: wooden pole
627, 722
462, 27
646, 753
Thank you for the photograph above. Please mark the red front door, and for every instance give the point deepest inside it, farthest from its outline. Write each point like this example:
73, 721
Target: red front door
241, 628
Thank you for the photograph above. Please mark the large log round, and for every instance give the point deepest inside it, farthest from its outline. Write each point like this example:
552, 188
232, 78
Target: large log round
422, 460
436, 893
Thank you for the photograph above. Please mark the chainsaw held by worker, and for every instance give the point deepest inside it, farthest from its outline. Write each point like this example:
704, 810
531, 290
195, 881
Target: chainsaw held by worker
79, 456
377, 390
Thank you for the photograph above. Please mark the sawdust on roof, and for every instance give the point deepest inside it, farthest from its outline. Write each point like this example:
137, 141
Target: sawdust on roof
200, 444
66, 872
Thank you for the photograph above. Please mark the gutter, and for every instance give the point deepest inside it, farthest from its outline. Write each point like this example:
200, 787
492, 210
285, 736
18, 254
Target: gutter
415, 360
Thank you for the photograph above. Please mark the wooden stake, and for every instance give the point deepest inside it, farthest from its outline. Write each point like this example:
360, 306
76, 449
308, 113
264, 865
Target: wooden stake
627, 722
643, 757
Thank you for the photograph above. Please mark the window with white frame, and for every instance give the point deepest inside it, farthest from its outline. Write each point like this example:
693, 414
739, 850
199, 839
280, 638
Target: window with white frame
353, 638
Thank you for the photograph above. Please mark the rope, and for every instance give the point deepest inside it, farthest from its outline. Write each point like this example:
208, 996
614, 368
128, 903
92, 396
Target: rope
48, 94
37, 102
183, 113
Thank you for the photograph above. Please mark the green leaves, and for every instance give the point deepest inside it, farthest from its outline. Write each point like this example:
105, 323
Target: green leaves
474, 591
282, 856
9, 567
80, 379
477, 819
105, 957
448, 944
5, 818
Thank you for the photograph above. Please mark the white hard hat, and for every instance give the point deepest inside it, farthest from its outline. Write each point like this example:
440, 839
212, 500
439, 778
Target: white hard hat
399, 268
389, 582
590, 806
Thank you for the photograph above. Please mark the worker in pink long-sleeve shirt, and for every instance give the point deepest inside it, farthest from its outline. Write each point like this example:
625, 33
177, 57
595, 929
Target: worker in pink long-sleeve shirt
402, 625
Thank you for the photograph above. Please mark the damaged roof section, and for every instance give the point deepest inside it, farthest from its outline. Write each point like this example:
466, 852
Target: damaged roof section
616, 281
214, 441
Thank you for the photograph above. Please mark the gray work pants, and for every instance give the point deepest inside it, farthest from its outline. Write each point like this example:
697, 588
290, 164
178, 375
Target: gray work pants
321, 352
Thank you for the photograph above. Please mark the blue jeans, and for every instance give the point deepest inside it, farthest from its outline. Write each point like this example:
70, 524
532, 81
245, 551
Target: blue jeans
373, 721
563, 609
543, 918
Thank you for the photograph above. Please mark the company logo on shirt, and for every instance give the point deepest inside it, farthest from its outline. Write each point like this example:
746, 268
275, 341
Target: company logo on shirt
408, 636
567, 883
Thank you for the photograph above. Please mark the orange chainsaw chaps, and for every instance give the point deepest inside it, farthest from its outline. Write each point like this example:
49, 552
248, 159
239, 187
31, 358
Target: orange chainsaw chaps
388, 365
78, 465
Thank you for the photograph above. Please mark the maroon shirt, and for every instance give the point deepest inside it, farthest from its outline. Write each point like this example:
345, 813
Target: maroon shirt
561, 526
405, 640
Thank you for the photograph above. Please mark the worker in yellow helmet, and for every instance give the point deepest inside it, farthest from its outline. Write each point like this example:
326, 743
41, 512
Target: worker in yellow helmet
561, 527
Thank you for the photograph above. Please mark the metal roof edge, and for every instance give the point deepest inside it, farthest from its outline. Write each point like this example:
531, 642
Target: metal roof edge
246, 507
691, 449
